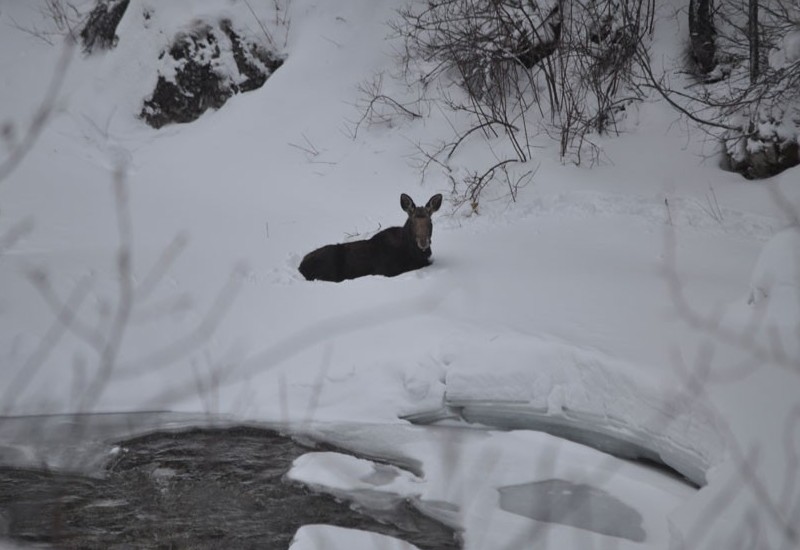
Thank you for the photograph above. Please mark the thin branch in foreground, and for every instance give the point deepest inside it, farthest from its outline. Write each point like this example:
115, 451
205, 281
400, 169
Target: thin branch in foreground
182, 346
40, 281
710, 326
318, 332
119, 322
161, 267
319, 382
14, 234
60, 325
43, 113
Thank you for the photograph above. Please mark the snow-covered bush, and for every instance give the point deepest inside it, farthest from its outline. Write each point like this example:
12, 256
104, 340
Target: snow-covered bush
765, 117
770, 104
482, 41
564, 65
769, 146
746, 58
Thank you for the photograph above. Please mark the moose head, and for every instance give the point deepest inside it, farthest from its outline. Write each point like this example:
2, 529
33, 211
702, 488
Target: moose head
419, 222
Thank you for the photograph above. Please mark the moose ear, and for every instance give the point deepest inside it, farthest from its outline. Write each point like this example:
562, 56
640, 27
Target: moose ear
434, 203
407, 204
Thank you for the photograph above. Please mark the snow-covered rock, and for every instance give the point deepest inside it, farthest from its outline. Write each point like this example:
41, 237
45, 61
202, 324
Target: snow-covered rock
202, 68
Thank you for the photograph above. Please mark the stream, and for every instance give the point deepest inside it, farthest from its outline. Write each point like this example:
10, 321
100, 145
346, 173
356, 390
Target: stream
196, 488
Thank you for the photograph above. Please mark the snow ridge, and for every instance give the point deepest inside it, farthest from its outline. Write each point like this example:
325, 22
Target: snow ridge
586, 397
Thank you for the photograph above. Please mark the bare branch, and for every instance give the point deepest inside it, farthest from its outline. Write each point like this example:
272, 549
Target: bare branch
260, 24
41, 282
161, 267
59, 326
43, 113
14, 234
183, 346
119, 322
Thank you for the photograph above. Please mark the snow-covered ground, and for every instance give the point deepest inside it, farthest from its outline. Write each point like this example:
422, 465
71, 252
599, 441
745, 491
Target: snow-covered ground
653, 299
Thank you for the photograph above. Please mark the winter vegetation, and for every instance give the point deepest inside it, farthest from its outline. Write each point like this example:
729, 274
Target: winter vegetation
598, 347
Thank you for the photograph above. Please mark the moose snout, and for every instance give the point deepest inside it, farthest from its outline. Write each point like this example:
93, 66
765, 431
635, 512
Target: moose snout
423, 243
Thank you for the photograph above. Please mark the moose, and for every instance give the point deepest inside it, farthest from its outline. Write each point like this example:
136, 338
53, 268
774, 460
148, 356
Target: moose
389, 252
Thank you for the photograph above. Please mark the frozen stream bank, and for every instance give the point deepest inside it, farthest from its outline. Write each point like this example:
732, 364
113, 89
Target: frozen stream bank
89, 481
578, 394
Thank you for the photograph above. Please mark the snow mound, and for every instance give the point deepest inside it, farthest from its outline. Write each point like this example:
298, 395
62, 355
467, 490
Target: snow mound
775, 295
379, 488
786, 52
777, 270
328, 537
519, 382
339, 472
382, 491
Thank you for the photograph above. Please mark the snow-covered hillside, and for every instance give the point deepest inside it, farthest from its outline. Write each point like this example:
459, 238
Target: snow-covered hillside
652, 299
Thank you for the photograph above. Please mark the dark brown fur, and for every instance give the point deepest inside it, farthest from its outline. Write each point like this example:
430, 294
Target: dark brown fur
390, 252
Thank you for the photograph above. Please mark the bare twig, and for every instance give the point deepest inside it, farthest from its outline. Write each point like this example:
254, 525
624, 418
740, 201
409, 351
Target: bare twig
40, 280
112, 345
376, 107
161, 267
713, 208
14, 234
308, 148
184, 345
43, 113
59, 326
260, 24
710, 325
310, 151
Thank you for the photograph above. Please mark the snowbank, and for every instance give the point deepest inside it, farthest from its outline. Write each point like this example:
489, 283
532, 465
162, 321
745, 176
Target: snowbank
774, 297
517, 382
328, 537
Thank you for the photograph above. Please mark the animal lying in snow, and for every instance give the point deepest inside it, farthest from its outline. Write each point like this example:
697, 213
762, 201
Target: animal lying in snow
390, 252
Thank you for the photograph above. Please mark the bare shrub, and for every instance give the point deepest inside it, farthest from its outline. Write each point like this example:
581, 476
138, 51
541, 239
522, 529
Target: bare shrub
468, 190
378, 108
562, 67
61, 18
750, 99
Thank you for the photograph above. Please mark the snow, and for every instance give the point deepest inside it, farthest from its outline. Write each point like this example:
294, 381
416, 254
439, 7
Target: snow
370, 485
594, 303
319, 537
581, 394
775, 292
469, 468
787, 52
336, 470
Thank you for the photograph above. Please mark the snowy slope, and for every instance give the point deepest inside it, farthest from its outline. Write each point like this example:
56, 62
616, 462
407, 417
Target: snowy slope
601, 297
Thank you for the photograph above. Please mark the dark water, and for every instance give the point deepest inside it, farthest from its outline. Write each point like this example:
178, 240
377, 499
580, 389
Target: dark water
202, 488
